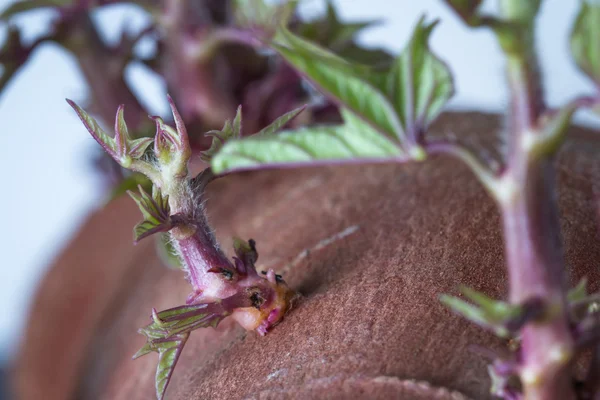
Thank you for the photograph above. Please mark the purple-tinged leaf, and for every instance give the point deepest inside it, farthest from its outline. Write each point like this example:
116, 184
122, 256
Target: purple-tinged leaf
171, 145
121, 132
170, 329
419, 84
121, 148
103, 139
231, 130
169, 350
156, 212
182, 135
353, 142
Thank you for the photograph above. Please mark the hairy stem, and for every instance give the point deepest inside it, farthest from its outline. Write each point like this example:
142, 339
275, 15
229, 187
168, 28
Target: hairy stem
535, 264
531, 221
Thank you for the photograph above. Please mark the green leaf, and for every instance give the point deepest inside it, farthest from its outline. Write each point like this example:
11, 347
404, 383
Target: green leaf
168, 333
168, 355
585, 40
156, 212
231, 130
497, 316
107, 142
470, 312
315, 145
579, 292
121, 148
352, 86
419, 83
280, 122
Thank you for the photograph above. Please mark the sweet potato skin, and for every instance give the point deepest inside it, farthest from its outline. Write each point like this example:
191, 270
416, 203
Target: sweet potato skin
369, 247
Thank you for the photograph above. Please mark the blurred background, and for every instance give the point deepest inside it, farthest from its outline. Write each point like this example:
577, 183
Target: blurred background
49, 184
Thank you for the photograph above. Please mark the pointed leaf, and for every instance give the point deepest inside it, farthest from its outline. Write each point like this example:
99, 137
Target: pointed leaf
231, 130
121, 132
170, 329
168, 355
354, 141
579, 292
121, 148
156, 212
107, 142
347, 84
280, 122
419, 83
472, 313
498, 316
585, 40
138, 147
236, 125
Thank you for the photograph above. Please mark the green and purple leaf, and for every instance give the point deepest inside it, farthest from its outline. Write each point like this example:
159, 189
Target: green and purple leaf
156, 212
121, 148
585, 40
419, 84
170, 329
384, 114
309, 146
170, 141
231, 130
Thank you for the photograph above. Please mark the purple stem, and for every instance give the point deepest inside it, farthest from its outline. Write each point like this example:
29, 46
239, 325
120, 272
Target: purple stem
532, 236
200, 252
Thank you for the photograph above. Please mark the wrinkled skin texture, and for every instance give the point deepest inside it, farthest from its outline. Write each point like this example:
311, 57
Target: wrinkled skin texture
369, 325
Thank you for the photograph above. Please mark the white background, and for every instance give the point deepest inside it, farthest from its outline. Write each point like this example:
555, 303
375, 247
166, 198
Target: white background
47, 185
